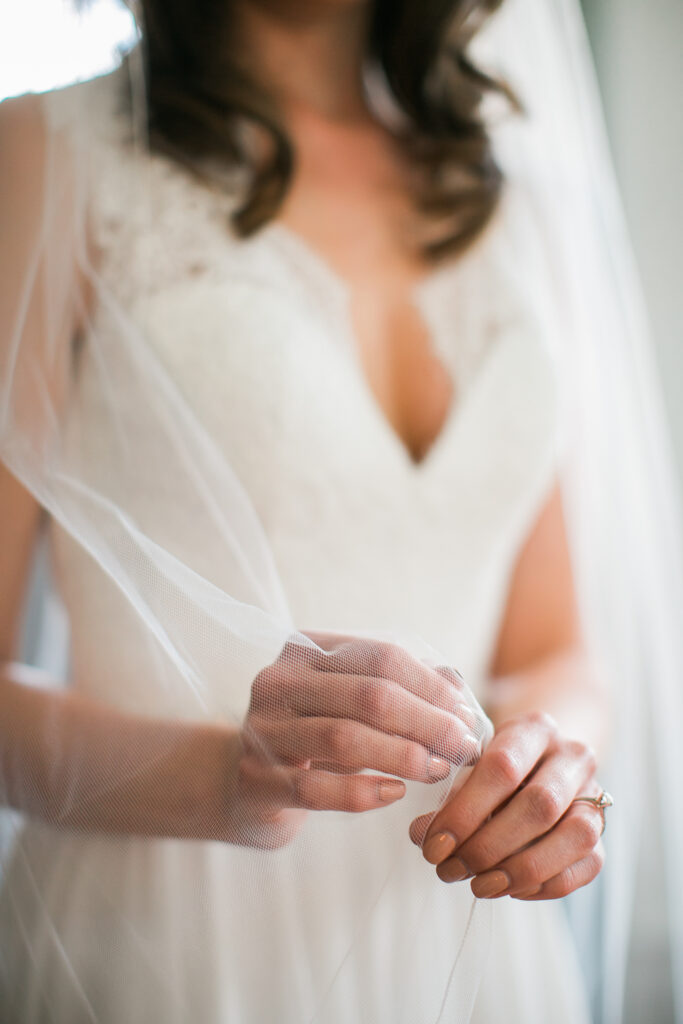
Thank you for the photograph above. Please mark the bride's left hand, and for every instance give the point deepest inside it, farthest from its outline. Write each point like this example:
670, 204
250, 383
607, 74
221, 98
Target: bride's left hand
512, 826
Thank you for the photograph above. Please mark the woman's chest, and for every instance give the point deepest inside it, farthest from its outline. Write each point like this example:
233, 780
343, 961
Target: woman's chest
368, 245
259, 343
361, 535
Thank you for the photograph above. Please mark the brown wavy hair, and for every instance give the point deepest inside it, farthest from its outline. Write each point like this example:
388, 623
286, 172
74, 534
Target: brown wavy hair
202, 108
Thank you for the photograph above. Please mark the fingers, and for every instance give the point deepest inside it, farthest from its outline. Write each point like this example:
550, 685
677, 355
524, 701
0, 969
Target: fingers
509, 758
420, 826
379, 685
393, 663
270, 789
388, 661
451, 674
513, 826
336, 744
574, 840
388, 708
532, 811
572, 878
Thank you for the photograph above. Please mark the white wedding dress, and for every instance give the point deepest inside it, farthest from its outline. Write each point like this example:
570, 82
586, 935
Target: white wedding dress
256, 336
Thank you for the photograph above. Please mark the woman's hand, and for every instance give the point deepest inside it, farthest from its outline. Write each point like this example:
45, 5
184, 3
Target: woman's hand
318, 718
512, 824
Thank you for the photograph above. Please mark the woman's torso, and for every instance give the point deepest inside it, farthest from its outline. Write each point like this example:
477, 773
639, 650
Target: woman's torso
258, 338
255, 345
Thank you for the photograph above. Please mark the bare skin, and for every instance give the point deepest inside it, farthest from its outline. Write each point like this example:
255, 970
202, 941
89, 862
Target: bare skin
513, 821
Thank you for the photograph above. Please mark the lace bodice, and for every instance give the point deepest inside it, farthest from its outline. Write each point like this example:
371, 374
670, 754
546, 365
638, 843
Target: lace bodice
257, 337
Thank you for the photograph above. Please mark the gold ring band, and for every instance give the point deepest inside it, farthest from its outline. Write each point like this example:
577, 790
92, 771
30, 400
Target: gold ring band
602, 802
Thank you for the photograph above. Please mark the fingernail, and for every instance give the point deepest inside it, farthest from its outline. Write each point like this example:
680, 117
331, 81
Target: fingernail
391, 790
454, 870
457, 746
439, 846
492, 884
466, 715
459, 680
469, 752
437, 768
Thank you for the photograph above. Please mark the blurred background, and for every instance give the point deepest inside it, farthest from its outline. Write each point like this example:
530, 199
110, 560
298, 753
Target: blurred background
638, 48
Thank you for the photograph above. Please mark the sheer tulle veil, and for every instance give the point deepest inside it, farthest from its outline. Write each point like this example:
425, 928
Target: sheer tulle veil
560, 228
620, 487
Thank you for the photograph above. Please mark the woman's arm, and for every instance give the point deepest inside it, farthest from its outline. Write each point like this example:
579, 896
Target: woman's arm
513, 826
79, 764
540, 663
74, 763
66, 760
316, 722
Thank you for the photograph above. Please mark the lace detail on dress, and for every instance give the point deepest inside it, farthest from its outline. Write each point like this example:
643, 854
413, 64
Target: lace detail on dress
155, 227
151, 223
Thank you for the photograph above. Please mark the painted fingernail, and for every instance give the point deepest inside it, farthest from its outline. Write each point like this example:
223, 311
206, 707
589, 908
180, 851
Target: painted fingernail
391, 790
470, 750
459, 677
437, 769
453, 870
439, 846
492, 884
466, 715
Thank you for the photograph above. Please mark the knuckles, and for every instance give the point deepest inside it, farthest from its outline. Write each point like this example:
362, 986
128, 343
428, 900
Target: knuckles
388, 660
303, 790
374, 699
504, 765
581, 752
544, 804
586, 829
565, 885
356, 799
339, 739
539, 719
529, 873
545, 721
264, 689
597, 860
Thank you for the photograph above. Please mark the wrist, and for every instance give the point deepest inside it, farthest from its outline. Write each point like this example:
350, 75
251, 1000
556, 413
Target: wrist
566, 685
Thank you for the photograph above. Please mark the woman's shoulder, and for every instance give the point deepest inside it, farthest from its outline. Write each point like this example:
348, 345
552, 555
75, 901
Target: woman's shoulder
94, 110
151, 221
90, 110
39, 214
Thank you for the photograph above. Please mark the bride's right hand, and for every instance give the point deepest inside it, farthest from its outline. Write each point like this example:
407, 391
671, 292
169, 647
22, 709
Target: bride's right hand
318, 718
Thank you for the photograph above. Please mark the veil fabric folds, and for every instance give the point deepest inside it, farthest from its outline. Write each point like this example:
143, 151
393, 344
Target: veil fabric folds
98, 430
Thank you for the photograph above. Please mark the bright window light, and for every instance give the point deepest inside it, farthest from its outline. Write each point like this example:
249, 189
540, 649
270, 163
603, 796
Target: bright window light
45, 44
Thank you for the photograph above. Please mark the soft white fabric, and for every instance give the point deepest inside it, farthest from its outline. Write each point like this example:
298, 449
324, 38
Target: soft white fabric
256, 336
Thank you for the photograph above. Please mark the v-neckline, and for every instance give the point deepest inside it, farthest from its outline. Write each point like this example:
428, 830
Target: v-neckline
322, 267
340, 291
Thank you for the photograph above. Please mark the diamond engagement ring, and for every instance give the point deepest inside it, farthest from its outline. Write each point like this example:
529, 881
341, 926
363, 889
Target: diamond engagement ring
601, 802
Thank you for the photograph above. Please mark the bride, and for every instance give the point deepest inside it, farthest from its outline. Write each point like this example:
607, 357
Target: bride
286, 351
